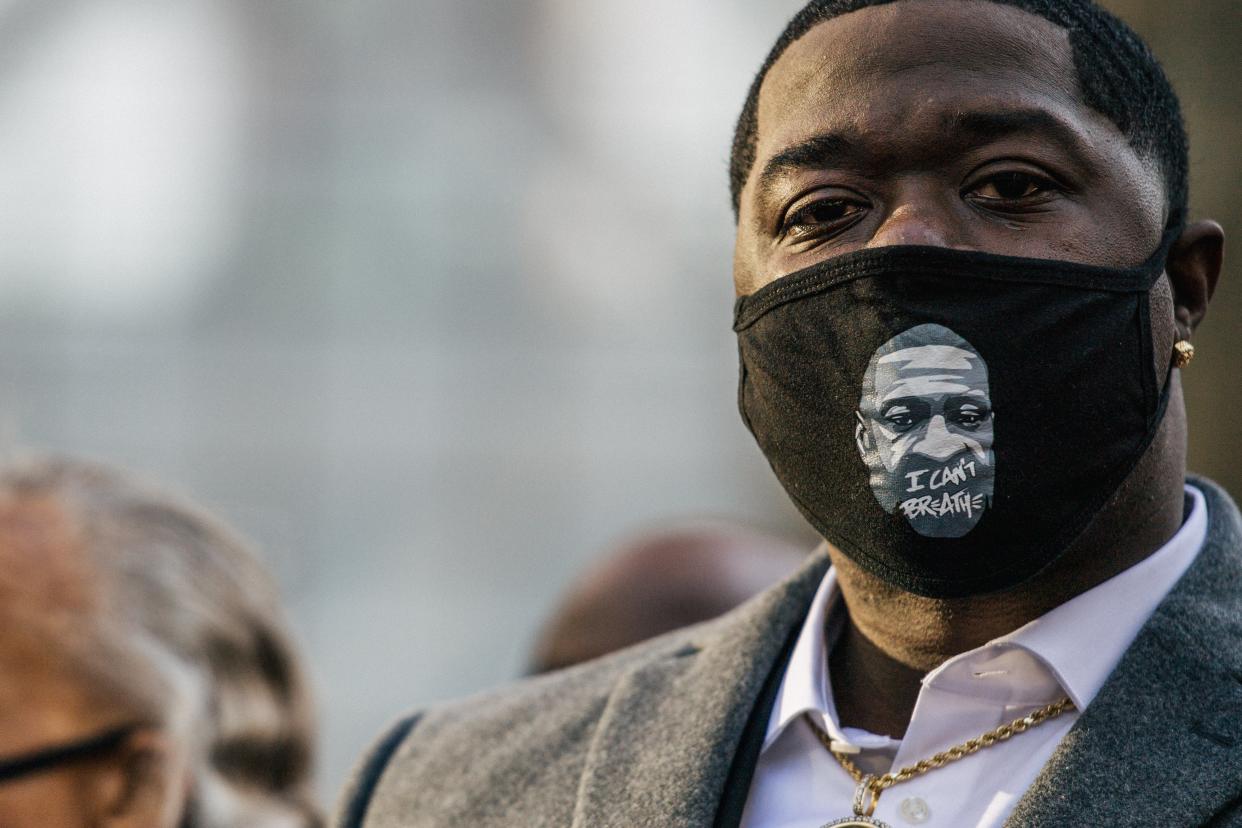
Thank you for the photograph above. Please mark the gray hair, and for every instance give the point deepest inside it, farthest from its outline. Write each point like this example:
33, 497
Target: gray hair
178, 621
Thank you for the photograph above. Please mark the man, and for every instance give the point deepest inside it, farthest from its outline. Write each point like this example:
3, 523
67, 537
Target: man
925, 430
1013, 171
146, 677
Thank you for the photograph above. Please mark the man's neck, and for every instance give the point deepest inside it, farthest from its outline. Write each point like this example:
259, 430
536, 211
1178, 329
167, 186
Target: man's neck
892, 638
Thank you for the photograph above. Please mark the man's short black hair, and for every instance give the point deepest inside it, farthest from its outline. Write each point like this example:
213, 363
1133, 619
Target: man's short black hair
1118, 77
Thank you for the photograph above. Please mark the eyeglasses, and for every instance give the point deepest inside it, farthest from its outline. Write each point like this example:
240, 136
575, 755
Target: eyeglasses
48, 758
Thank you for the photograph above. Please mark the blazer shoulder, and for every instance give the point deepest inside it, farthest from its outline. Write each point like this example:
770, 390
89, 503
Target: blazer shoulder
459, 762
356, 798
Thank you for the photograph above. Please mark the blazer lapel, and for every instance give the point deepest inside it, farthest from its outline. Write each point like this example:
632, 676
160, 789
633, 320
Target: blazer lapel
1162, 742
667, 737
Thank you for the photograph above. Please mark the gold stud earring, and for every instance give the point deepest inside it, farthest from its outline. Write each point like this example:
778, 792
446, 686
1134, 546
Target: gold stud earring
1183, 353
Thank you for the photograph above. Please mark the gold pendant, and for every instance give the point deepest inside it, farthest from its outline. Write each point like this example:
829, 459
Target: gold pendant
856, 822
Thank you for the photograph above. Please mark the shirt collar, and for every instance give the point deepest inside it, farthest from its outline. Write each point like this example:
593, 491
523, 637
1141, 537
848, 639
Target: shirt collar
1114, 611
804, 687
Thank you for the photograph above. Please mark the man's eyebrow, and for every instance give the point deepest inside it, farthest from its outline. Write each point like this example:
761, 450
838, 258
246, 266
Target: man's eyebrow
991, 124
815, 153
831, 149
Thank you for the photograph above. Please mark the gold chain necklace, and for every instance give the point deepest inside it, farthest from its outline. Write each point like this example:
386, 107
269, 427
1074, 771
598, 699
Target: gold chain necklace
867, 794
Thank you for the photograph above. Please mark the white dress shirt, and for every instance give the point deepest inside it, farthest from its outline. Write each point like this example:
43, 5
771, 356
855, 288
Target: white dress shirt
1070, 651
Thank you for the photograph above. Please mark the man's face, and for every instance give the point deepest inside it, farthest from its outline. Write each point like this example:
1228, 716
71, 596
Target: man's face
925, 431
953, 123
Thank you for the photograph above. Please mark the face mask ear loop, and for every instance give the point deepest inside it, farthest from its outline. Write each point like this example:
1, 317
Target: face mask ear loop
1158, 260
1149, 365
1156, 266
1162, 405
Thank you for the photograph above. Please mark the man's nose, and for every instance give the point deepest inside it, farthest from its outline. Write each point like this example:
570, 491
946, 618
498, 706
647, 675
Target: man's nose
938, 442
918, 218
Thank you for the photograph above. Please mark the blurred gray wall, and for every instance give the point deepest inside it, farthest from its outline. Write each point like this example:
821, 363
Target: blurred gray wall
430, 298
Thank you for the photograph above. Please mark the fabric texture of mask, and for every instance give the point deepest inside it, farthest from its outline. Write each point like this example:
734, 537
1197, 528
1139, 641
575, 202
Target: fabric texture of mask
951, 420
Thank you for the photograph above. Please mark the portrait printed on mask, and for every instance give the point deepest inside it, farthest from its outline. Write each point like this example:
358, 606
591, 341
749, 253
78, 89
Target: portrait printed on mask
924, 430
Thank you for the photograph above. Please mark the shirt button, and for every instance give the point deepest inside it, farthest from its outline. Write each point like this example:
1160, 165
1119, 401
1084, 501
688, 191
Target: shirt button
915, 811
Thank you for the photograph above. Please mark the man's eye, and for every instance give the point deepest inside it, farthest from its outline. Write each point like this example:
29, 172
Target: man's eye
1011, 186
899, 419
818, 216
969, 417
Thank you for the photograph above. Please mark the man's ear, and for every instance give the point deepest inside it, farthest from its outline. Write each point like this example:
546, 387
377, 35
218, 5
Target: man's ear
145, 784
1194, 266
863, 436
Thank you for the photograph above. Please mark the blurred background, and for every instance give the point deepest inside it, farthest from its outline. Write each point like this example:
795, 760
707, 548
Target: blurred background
430, 297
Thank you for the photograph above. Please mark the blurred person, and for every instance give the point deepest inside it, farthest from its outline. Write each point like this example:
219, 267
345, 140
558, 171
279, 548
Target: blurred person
962, 237
147, 679
660, 581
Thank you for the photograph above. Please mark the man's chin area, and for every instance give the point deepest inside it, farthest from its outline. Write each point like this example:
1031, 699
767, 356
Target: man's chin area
953, 525
942, 499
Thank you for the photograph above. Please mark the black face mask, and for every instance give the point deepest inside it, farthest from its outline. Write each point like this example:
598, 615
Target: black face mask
951, 420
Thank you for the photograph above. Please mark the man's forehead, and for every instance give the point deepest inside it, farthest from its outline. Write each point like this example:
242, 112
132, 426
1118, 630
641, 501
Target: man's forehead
929, 370
42, 556
933, 385
929, 357
879, 68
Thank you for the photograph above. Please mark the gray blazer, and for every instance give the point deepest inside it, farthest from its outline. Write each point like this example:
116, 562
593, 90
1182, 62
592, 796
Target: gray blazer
667, 733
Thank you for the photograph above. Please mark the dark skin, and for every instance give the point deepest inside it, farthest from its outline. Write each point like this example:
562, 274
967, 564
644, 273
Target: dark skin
959, 123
